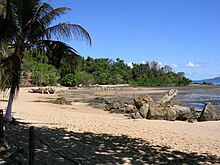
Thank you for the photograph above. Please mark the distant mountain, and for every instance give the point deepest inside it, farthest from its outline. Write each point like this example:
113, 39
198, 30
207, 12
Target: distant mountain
216, 78
212, 79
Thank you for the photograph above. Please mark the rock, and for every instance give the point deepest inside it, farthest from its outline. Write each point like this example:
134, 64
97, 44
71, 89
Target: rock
143, 111
168, 98
115, 106
206, 83
72, 88
185, 113
171, 114
43, 90
99, 102
149, 109
143, 103
140, 101
135, 114
62, 101
161, 113
209, 113
182, 112
192, 115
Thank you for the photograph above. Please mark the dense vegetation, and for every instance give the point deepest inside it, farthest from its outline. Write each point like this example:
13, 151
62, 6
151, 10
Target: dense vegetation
77, 70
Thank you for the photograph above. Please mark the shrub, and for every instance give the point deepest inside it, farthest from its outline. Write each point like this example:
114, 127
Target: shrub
68, 80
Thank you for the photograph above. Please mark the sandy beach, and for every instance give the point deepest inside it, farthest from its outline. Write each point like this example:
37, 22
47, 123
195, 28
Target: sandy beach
82, 134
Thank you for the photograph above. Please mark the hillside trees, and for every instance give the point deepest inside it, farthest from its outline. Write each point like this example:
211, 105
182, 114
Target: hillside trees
37, 67
107, 71
153, 74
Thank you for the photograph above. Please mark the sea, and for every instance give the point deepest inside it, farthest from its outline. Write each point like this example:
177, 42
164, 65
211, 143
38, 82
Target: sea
215, 82
198, 96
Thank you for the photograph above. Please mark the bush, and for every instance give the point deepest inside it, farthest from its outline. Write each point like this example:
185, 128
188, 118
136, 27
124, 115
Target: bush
85, 78
68, 80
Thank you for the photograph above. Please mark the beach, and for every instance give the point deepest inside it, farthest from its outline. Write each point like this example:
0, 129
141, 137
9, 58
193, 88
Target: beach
79, 133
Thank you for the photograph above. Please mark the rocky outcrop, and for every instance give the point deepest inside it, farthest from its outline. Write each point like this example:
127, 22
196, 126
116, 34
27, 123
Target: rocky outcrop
144, 104
209, 113
62, 101
161, 113
119, 107
43, 90
182, 112
163, 108
160, 110
113, 106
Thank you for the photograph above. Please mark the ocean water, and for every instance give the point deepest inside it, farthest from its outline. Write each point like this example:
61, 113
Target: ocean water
216, 82
199, 96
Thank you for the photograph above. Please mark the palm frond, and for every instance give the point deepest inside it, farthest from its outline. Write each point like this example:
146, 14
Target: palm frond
58, 51
40, 11
43, 17
23, 11
53, 14
7, 23
67, 31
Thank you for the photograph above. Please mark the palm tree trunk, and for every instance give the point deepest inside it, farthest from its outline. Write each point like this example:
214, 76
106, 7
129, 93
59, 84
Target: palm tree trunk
8, 114
15, 79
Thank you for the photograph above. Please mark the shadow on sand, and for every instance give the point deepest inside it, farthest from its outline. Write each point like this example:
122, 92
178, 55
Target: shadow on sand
57, 146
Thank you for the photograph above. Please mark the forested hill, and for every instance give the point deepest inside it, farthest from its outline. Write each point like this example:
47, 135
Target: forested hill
74, 71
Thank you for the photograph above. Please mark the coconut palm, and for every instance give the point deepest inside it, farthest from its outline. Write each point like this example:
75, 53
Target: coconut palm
27, 24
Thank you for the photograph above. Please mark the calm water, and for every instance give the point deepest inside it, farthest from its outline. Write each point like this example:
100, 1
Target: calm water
197, 97
216, 82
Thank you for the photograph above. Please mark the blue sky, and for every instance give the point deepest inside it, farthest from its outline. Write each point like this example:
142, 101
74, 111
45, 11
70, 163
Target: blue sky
184, 34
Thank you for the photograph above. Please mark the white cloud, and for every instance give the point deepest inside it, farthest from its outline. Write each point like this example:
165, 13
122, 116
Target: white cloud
143, 62
174, 66
160, 64
192, 65
130, 64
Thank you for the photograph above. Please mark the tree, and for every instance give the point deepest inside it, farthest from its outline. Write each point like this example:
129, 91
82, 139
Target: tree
26, 24
84, 78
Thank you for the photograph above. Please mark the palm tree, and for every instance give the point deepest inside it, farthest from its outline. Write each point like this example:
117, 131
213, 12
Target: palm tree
27, 24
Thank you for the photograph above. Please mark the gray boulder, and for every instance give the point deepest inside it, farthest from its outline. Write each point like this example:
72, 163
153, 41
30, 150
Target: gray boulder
185, 113
161, 113
144, 111
159, 110
143, 104
192, 117
209, 113
182, 112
